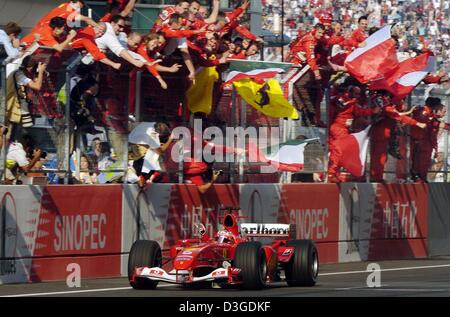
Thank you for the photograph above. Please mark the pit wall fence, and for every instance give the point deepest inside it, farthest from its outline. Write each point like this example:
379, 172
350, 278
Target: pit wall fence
44, 229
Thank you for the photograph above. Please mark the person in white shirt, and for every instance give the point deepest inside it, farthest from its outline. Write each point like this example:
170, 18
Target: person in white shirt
110, 41
9, 38
131, 43
149, 140
17, 159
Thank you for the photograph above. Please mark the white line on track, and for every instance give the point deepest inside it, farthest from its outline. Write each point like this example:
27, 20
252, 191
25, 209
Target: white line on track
405, 289
77, 292
167, 285
388, 270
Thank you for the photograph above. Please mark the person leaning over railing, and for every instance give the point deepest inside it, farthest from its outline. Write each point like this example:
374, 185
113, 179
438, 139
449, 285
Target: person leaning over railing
52, 35
69, 11
17, 160
9, 38
109, 41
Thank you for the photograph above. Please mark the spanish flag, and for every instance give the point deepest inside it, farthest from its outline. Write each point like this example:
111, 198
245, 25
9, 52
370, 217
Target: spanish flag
266, 97
200, 95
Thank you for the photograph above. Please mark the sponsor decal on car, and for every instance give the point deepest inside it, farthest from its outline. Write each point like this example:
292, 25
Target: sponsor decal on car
265, 229
156, 272
219, 273
287, 252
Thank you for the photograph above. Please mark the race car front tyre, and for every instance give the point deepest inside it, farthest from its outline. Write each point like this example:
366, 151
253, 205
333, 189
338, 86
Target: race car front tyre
303, 268
143, 253
251, 259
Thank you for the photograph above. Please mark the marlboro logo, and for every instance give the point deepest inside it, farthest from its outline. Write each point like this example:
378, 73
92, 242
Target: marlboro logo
265, 229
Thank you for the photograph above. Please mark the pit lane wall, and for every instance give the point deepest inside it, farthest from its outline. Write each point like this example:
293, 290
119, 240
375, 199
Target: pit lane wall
43, 229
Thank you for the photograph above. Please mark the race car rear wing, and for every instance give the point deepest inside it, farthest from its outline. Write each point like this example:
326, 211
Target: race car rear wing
278, 230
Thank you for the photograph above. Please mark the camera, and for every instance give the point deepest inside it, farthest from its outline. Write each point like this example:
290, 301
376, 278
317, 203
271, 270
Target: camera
84, 114
5, 130
30, 153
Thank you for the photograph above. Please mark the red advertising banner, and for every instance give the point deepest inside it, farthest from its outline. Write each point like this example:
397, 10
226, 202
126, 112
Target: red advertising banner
400, 222
314, 209
75, 222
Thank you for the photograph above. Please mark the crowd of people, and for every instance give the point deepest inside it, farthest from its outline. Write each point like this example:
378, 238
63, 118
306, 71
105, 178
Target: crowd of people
184, 37
421, 22
188, 36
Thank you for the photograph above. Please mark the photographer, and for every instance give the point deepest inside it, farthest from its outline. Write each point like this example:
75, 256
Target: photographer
200, 174
30, 75
83, 104
17, 159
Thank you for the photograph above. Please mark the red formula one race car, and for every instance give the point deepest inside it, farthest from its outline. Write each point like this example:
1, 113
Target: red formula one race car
231, 258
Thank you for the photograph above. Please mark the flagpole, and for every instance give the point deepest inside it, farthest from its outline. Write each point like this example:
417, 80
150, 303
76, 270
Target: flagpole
233, 120
282, 30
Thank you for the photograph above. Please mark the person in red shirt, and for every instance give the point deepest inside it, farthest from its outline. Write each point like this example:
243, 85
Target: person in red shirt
197, 20
199, 174
424, 141
177, 38
145, 49
307, 90
344, 109
181, 7
359, 36
69, 11
52, 35
195, 169
381, 133
123, 8
436, 79
229, 22
85, 39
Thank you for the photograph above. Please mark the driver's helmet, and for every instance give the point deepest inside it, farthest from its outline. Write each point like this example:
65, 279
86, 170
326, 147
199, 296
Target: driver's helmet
224, 236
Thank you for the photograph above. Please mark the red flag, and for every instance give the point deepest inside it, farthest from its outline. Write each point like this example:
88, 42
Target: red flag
354, 151
406, 76
376, 59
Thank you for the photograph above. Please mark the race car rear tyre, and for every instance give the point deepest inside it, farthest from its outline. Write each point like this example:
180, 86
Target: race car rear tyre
143, 253
251, 259
303, 268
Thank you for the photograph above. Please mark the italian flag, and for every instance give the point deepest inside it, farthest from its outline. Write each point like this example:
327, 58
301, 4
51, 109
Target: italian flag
256, 74
285, 157
256, 70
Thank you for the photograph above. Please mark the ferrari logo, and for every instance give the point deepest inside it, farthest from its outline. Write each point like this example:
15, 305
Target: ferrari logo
265, 100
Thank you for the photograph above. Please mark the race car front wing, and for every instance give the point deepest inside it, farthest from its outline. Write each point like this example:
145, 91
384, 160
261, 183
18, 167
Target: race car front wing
183, 277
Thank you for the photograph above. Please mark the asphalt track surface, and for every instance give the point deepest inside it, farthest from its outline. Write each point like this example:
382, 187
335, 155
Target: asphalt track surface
427, 277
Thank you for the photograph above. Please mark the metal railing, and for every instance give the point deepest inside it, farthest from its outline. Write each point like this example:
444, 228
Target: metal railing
240, 114
58, 129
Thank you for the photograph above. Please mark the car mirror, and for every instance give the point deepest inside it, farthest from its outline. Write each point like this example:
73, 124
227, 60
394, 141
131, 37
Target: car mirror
200, 230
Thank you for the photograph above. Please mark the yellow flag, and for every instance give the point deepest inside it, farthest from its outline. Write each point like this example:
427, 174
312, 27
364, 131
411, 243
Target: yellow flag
200, 95
267, 98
